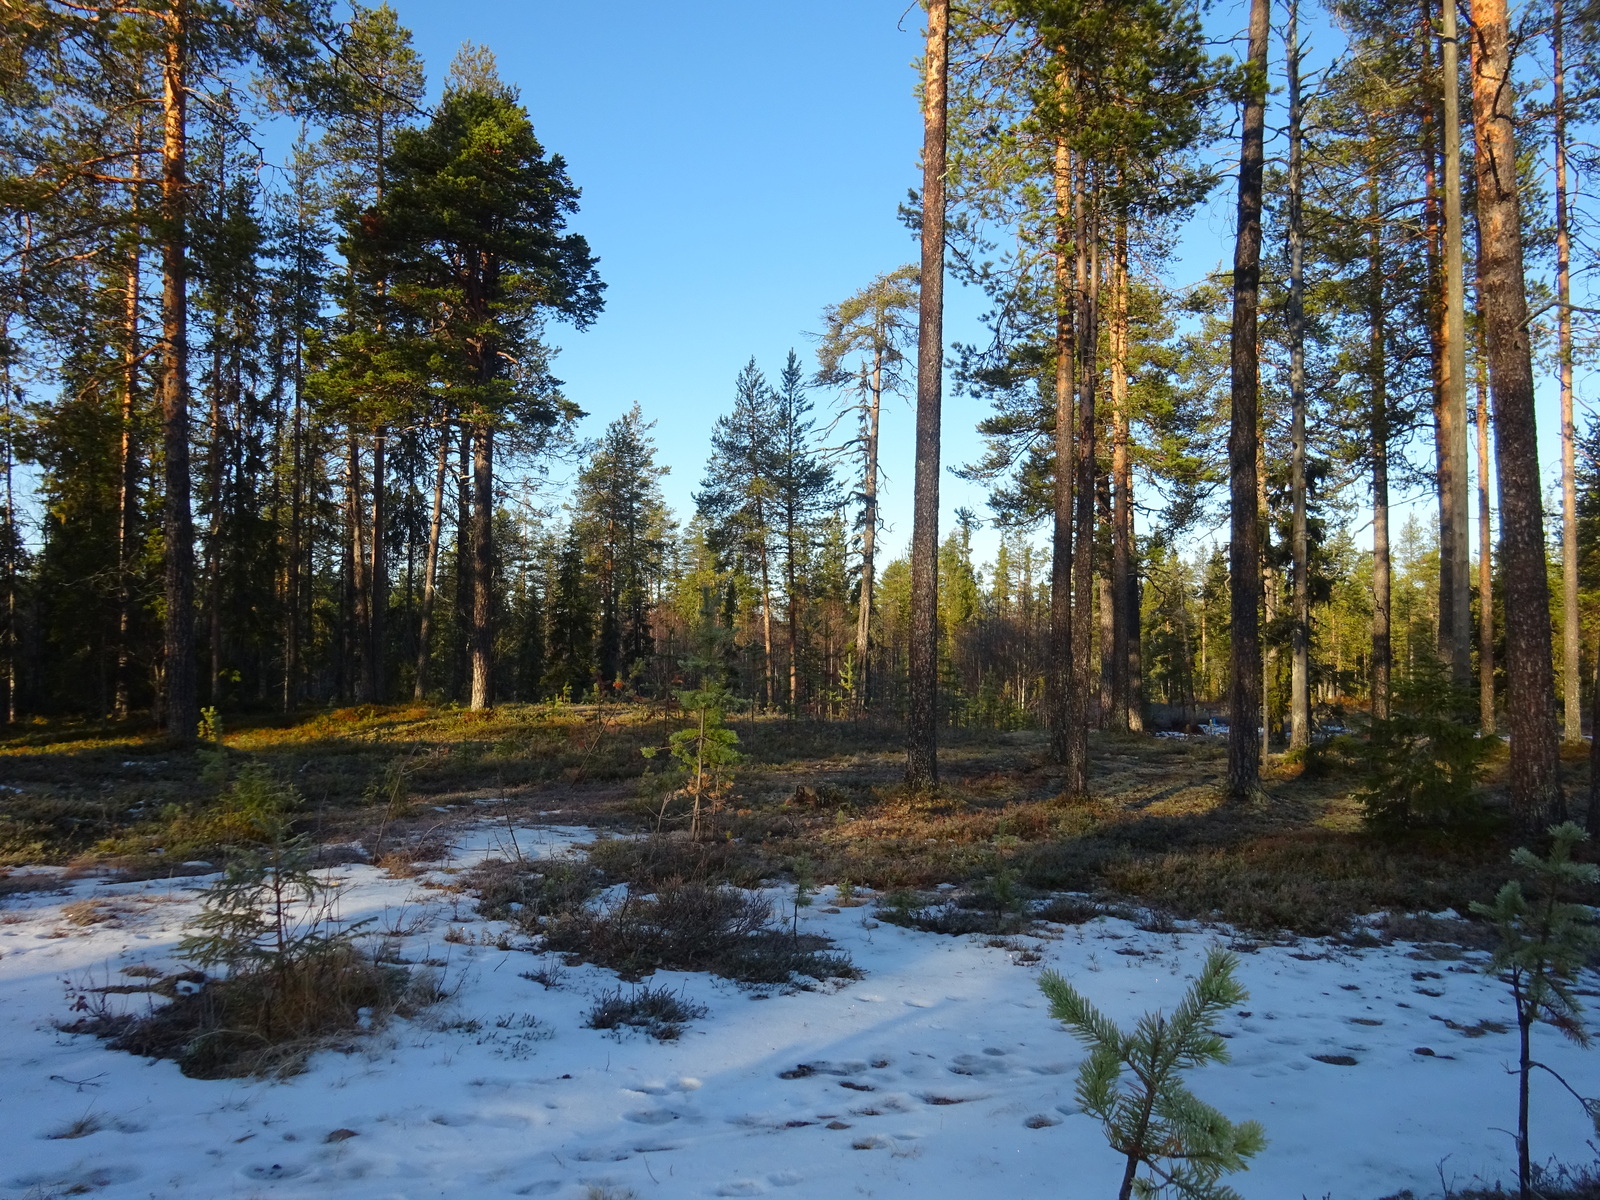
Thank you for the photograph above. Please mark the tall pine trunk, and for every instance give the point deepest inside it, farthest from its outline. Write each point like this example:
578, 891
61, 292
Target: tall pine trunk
1125, 710
1059, 659
869, 537
181, 706
1244, 551
1571, 673
922, 732
377, 574
430, 569
127, 470
1300, 554
1453, 377
1086, 278
1485, 551
1535, 773
482, 629
1378, 381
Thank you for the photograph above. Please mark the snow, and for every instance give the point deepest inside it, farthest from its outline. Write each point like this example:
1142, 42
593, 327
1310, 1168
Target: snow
939, 1075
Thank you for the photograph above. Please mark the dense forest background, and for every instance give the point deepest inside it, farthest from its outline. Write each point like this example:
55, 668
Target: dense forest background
297, 436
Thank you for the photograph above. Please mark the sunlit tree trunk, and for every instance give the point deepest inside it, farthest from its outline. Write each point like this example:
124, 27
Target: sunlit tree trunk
922, 732
1244, 551
1300, 644
1453, 374
1571, 672
1058, 667
1535, 773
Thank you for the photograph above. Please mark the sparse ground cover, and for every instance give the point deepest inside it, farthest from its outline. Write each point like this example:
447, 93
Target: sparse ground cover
938, 1073
822, 797
818, 886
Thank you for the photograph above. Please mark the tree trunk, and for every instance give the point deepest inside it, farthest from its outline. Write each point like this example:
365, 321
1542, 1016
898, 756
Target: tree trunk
216, 529
1379, 381
482, 631
768, 682
1244, 551
127, 473
869, 538
1571, 672
1453, 377
1125, 709
181, 707
1058, 665
291, 633
430, 570
361, 594
1485, 555
463, 598
1536, 797
1300, 552
1085, 325
377, 574
1594, 755
1269, 596
922, 727
1429, 119
792, 586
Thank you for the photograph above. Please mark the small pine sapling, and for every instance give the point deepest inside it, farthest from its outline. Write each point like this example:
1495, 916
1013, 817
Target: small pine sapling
1545, 940
705, 750
1152, 1120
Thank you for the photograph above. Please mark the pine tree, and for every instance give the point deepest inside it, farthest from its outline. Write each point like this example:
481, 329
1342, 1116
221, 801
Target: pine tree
471, 237
1154, 1121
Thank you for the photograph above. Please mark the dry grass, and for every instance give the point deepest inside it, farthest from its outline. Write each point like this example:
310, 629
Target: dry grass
1156, 830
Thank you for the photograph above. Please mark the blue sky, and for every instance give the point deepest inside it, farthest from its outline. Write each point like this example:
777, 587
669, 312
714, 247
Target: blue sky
741, 164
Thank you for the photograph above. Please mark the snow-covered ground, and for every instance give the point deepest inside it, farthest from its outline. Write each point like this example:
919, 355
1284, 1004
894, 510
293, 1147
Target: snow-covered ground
938, 1075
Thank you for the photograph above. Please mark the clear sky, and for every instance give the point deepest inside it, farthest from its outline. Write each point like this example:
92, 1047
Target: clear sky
741, 165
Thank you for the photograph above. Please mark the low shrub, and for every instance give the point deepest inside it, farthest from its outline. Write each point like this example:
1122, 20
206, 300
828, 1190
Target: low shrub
531, 893
656, 1011
694, 927
278, 976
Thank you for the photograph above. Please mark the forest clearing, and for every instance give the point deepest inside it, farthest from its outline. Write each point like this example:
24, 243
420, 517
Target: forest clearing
933, 1048
594, 604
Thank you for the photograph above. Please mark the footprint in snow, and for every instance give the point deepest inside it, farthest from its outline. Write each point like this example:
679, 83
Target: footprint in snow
652, 1116
785, 1178
542, 1187
741, 1187
979, 1064
266, 1172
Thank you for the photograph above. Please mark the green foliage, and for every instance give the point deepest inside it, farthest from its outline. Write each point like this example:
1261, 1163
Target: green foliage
269, 912
1152, 1119
704, 751
1545, 939
254, 810
1423, 762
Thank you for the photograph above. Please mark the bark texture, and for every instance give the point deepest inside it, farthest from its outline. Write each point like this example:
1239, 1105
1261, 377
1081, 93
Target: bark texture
922, 732
1536, 797
1244, 551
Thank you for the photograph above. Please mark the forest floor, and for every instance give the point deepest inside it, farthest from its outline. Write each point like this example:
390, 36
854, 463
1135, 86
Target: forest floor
823, 798
492, 850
